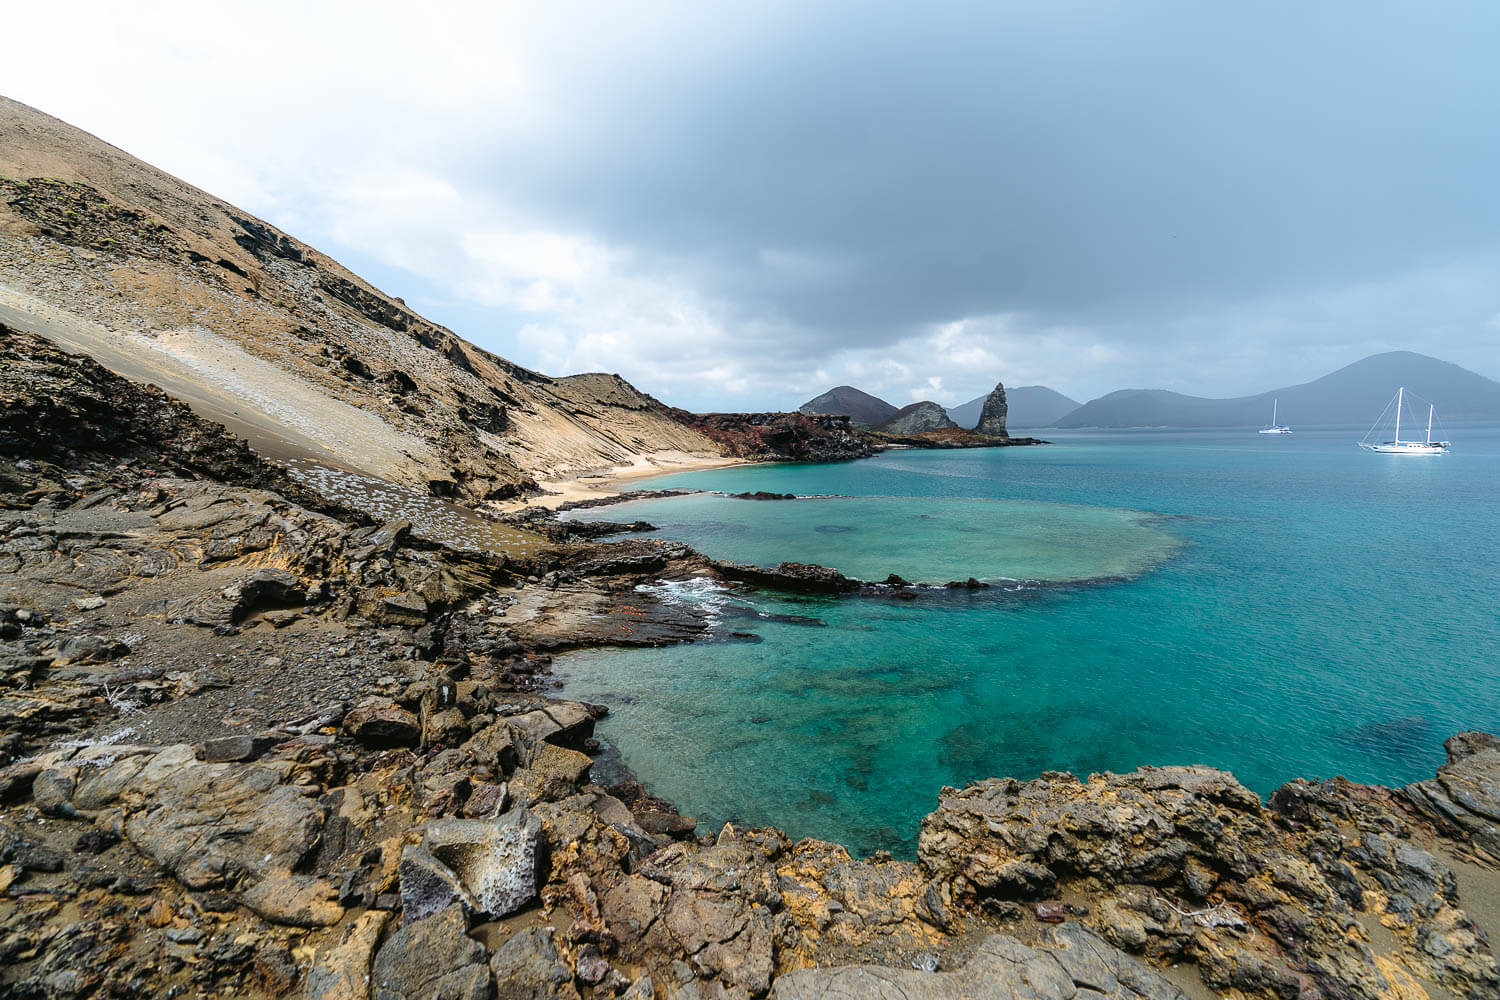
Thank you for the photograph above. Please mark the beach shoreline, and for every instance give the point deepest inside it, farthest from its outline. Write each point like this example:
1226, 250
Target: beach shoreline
614, 480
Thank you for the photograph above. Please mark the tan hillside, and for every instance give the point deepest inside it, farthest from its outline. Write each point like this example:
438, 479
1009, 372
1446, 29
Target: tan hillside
165, 283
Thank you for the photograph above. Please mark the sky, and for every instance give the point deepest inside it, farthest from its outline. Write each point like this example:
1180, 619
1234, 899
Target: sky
739, 205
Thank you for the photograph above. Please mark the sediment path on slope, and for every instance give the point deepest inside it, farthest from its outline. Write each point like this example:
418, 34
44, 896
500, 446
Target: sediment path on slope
281, 415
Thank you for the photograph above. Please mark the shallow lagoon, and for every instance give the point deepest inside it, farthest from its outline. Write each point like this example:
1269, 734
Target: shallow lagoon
1308, 609
914, 537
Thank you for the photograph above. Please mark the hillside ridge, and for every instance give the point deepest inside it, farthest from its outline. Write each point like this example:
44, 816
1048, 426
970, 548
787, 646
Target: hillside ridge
863, 409
110, 256
1353, 394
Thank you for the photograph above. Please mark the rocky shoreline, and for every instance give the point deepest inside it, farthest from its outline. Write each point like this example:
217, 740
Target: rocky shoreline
255, 747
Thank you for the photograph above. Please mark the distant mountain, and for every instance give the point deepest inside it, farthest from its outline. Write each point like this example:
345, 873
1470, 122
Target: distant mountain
1352, 395
1030, 406
917, 418
863, 409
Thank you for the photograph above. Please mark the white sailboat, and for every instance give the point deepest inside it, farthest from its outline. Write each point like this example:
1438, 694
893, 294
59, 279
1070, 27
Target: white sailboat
1275, 428
1396, 446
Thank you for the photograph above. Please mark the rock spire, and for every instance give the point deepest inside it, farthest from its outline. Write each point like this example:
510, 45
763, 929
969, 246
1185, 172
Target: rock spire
992, 417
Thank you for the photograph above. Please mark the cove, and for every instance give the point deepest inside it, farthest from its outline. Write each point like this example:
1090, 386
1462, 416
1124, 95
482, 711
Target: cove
1308, 609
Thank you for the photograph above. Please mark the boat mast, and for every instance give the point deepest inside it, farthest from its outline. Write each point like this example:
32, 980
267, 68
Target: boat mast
1399, 392
1273, 412
1429, 423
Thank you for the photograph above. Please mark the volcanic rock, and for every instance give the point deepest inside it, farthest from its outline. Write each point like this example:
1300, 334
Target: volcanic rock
797, 437
863, 409
497, 860
917, 418
428, 886
1465, 795
378, 723
528, 967
431, 958
992, 416
297, 900
343, 971
1071, 962
794, 577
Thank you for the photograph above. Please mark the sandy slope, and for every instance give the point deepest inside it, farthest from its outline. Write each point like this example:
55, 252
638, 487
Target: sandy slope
280, 414
165, 282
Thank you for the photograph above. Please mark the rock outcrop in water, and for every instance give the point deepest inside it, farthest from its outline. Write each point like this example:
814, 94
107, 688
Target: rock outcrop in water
917, 418
798, 437
992, 416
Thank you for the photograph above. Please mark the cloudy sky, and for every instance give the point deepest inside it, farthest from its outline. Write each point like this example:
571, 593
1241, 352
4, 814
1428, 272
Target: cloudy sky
740, 205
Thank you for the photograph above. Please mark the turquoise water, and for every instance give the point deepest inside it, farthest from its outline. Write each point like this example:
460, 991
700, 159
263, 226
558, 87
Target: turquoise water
1298, 608
919, 540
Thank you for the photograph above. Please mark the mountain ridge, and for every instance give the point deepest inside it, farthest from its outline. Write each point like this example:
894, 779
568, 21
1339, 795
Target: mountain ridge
1352, 394
862, 409
1030, 406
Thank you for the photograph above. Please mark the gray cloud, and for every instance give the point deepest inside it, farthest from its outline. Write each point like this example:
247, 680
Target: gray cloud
1054, 158
733, 204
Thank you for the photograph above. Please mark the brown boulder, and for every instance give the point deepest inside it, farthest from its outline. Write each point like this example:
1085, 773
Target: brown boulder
381, 725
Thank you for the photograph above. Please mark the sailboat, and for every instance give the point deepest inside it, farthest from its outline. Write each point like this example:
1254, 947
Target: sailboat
1275, 428
1396, 446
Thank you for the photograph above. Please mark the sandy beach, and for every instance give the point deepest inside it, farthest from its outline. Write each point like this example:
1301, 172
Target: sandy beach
613, 481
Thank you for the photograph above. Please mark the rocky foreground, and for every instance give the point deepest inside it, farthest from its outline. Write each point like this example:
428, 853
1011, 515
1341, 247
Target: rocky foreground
255, 745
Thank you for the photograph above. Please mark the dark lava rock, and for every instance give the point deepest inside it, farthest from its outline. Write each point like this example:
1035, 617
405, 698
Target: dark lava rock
798, 437
228, 749
1465, 795
794, 577
89, 649
1049, 911
95, 841
261, 589
992, 417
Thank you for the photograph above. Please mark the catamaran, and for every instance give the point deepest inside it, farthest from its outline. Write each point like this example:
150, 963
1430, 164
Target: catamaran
1275, 428
1396, 446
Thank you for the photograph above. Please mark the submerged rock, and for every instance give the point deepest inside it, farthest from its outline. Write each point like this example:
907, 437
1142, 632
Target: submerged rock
794, 577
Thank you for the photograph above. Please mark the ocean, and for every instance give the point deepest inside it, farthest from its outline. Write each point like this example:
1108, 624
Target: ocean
1281, 607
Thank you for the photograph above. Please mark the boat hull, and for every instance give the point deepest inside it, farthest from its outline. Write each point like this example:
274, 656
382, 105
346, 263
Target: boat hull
1406, 449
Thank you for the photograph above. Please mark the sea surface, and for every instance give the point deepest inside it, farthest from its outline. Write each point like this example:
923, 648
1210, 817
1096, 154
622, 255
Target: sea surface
1281, 607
